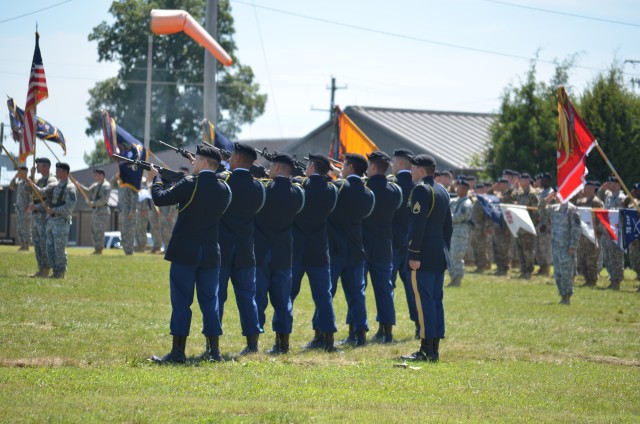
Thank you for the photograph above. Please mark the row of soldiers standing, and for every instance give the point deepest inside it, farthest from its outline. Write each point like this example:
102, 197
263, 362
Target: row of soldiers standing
476, 238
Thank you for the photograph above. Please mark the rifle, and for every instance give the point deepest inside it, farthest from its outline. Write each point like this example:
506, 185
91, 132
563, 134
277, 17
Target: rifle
257, 171
179, 150
299, 168
167, 175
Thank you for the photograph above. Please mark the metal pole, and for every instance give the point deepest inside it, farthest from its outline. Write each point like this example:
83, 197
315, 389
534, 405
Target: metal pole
147, 106
210, 95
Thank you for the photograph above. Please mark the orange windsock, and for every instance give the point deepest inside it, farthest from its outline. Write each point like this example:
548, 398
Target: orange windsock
172, 21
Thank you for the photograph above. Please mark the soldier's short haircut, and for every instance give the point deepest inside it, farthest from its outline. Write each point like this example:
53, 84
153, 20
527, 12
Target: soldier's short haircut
321, 167
380, 163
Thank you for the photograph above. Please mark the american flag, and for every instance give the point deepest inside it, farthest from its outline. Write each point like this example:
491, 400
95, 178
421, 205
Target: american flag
36, 93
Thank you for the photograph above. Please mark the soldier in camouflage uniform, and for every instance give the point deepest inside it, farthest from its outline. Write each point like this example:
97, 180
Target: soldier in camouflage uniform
480, 233
526, 242
634, 247
588, 251
543, 227
142, 219
99, 193
167, 221
461, 209
565, 233
59, 220
154, 224
502, 235
613, 255
23, 198
44, 186
129, 182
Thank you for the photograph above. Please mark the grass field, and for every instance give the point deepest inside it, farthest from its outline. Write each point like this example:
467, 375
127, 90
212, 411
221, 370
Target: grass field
75, 350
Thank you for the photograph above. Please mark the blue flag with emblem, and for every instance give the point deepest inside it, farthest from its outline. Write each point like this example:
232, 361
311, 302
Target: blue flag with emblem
44, 129
132, 148
630, 223
491, 206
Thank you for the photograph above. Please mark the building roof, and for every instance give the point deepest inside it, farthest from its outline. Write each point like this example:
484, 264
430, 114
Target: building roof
454, 138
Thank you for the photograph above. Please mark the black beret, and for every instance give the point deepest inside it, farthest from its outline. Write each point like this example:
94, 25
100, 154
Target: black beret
246, 149
435, 174
446, 173
98, 171
357, 158
24, 168
424, 160
63, 165
591, 183
282, 158
503, 180
636, 186
378, 155
43, 160
470, 178
509, 172
546, 175
320, 158
208, 152
463, 182
403, 152
525, 175
612, 179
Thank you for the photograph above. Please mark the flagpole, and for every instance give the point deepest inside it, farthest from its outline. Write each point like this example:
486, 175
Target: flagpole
615, 173
73, 180
22, 174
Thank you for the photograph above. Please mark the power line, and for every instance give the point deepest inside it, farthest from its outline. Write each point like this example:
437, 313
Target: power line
412, 37
557, 12
35, 11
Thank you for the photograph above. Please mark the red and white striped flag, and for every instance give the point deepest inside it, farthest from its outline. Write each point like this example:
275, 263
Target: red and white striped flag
36, 93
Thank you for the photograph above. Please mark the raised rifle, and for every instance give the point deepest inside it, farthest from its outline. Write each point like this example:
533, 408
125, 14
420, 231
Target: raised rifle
179, 150
167, 175
299, 168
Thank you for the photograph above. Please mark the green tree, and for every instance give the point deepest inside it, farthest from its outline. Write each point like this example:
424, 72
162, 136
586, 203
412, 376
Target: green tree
178, 66
98, 156
611, 111
523, 137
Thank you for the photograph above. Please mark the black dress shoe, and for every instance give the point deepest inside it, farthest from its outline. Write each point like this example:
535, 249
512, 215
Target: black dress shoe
317, 342
176, 356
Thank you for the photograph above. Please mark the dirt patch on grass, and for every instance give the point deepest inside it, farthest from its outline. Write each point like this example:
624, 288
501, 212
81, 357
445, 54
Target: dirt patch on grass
51, 362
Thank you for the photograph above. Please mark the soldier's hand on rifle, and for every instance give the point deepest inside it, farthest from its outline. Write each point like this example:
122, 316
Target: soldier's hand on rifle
192, 158
152, 172
414, 265
31, 207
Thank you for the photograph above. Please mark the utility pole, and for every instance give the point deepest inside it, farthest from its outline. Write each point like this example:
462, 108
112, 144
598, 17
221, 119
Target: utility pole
147, 106
210, 92
333, 89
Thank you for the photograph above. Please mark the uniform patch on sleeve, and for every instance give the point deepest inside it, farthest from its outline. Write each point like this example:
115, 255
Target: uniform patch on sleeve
416, 207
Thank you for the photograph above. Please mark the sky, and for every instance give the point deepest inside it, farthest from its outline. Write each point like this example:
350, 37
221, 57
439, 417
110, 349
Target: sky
454, 55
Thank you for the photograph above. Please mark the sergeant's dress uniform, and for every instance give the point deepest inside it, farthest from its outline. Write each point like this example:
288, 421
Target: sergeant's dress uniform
64, 198
565, 233
430, 230
194, 254
400, 228
311, 251
273, 250
39, 220
377, 236
461, 210
99, 193
23, 218
237, 249
355, 202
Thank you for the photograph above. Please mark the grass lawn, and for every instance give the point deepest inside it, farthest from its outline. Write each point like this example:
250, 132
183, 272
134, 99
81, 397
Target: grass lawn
75, 350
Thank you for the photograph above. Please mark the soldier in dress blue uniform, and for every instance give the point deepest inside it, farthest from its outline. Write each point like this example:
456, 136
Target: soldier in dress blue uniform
236, 241
430, 230
273, 248
193, 251
311, 249
401, 169
355, 202
377, 237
